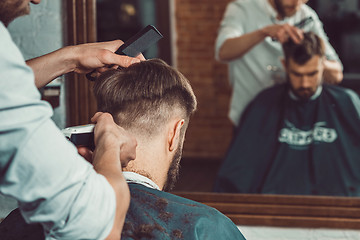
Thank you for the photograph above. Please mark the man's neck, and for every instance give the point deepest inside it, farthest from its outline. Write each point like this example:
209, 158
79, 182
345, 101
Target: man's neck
313, 97
151, 162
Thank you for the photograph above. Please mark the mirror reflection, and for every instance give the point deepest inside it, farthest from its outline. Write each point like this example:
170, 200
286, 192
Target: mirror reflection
263, 125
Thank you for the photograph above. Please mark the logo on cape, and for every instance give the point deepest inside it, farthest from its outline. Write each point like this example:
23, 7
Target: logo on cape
302, 139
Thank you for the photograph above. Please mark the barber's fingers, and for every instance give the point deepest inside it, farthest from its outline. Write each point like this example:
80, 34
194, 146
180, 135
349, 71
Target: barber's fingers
96, 117
109, 58
103, 116
128, 150
125, 62
85, 153
114, 45
283, 32
141, 57
109, 45
281, 35
126, 142
104, 69
294, 33
102, 54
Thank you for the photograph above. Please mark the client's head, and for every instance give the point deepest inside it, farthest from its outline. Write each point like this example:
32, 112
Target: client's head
304, 64
154, 102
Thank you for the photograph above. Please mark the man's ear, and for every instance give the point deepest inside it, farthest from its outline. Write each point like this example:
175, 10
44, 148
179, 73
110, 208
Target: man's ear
174, 134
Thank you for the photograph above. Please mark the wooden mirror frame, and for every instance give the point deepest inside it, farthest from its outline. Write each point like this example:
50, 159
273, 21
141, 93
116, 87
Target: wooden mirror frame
283, 210
80, 28
243, 209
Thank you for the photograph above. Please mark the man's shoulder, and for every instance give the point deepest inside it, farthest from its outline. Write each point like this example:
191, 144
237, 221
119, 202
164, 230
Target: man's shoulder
308, 10
341, 92
345, 98
166, 214
272, 92
140, 192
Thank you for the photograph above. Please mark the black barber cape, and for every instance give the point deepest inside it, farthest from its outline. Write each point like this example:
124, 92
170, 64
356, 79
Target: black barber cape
152, 214
287, 146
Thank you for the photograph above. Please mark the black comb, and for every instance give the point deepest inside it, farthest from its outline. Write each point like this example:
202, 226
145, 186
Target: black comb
136, 44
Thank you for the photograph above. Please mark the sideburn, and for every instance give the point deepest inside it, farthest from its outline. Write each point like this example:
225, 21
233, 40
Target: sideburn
173, 172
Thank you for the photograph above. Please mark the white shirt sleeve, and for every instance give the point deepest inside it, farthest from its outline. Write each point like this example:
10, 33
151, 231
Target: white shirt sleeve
230, 26
42, 170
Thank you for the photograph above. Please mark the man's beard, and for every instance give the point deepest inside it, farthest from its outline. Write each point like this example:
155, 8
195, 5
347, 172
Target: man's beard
10, 11
279, 8
304, 93
173, 173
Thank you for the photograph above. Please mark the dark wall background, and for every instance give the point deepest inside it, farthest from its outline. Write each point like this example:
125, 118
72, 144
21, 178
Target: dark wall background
341, 19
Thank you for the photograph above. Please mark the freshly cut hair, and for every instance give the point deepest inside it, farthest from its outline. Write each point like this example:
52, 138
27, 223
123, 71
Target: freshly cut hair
145, 95
310, 46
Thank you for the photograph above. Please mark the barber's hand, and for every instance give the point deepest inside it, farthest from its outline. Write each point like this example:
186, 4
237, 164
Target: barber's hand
100, 55
83, 58
109, 136
333, 73
283, 32
85, 153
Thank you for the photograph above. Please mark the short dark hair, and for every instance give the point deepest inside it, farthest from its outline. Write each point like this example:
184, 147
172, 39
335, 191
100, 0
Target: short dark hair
144, 95
310, 46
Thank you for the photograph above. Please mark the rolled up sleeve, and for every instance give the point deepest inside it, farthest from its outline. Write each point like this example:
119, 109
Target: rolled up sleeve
318, 29
230, 26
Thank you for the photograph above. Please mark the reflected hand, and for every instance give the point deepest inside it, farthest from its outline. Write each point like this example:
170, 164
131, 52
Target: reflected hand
282, 32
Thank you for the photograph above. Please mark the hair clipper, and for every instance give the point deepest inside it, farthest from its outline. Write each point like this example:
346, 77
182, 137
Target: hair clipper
81, 136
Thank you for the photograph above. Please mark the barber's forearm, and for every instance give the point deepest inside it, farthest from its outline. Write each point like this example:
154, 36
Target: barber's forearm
50, 66
109, 166
333, 73
237, 47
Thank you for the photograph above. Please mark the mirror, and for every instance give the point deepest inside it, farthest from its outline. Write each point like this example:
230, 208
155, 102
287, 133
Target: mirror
210, 131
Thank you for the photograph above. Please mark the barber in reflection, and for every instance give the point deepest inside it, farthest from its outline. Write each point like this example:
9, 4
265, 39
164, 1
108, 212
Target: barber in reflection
250, 38
300, 137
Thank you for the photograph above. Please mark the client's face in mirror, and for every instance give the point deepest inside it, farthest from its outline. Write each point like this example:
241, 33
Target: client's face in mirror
305, 79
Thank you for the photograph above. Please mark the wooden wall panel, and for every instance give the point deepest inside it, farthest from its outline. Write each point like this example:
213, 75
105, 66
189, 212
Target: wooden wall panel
81, 28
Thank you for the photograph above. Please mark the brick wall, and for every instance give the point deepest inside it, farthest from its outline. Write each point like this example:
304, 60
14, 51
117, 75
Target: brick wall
210, 130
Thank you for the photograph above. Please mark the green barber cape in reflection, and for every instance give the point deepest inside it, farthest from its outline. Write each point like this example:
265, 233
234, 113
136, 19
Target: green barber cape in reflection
154, 214
287, 146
